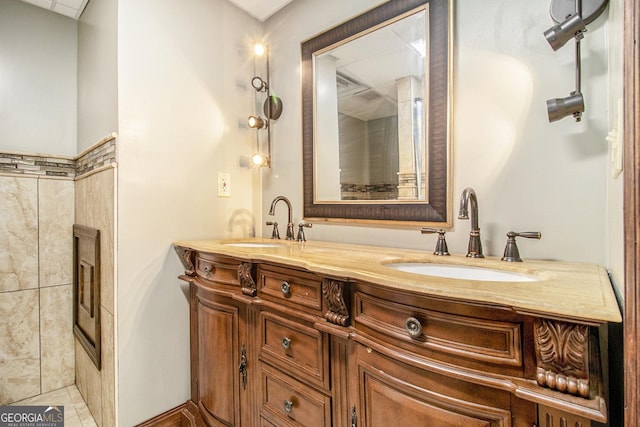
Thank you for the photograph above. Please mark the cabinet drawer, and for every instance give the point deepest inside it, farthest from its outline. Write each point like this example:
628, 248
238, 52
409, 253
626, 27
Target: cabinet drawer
287, 402
453, 338
294, 288
217, 269
403, 395
300, 350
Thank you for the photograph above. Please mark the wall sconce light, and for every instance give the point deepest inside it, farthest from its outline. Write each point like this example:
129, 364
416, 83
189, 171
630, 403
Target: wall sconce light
560, 34
558, 108
259, 85
255, 122
260, 160
572, 17
272, 109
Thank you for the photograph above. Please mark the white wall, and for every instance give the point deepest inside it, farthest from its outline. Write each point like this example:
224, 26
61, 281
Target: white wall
529, 175
97, 72
615, 220
184, 71
37, 80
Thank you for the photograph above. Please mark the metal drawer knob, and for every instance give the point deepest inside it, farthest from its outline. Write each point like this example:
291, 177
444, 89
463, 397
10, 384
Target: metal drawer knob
286, 343
285, 287
288, 406
207, 270
413, 327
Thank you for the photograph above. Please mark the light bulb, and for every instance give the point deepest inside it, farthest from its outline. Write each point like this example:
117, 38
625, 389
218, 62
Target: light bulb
255, 122
259, 160
259, 49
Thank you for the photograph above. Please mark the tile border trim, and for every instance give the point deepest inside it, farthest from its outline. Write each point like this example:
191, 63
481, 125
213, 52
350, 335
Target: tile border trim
98, 156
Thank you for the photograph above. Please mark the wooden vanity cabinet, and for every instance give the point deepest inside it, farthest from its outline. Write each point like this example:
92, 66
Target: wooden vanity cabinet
273, 345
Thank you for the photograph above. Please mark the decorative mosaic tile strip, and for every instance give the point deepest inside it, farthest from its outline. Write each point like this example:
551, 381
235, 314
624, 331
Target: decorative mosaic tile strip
101, 154
29, 164
368, 191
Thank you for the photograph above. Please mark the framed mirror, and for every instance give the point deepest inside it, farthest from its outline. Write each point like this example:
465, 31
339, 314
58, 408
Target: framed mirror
376, 117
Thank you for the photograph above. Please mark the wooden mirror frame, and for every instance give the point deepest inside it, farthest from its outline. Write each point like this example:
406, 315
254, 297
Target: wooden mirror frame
437, 209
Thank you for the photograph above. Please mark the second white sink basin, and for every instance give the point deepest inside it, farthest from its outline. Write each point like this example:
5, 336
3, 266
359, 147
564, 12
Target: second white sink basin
461, 272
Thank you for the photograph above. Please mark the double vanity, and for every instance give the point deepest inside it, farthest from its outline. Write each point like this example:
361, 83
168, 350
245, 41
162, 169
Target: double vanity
285, 333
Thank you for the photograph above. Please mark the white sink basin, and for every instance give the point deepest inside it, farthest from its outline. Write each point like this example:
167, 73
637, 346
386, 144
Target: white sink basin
252, 244
461, 272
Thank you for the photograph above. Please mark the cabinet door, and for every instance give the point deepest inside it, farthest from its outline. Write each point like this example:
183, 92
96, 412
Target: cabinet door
217, 356
394, 393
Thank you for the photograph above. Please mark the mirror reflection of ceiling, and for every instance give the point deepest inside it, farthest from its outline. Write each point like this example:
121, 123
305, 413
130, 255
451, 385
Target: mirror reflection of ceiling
260, 9
383, 56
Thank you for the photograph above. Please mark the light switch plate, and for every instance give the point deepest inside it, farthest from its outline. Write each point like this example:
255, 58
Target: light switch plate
224, 184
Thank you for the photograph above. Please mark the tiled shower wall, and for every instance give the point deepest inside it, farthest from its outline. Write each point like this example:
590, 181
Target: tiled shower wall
40, 200
95, 197
36, 338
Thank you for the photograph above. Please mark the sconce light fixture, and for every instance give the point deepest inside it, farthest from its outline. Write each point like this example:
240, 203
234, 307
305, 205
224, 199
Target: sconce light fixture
558, 108
560, 34
259, 84
272, 109
255, 122
572, 17
259, 49
259, 160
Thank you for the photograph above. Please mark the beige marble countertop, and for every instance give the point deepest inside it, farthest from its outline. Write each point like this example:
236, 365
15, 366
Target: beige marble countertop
564, 291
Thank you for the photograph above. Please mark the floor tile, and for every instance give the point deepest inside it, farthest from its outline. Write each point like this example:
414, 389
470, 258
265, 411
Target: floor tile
76, 412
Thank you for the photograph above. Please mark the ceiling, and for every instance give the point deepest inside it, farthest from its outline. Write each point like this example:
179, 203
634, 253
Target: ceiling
70, 8
260, 9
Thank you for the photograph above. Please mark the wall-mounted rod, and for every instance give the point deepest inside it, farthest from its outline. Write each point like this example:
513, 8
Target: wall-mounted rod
269, 106
578, 59
577, 115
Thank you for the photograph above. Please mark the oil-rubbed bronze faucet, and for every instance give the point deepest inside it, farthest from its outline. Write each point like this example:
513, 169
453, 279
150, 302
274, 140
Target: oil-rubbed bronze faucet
511, 252
469, 197
441, 244
272, 212
301, 237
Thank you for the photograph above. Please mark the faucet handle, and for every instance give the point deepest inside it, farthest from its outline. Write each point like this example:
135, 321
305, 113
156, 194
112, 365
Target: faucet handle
441, 244
301, 237
511, 253
275, 234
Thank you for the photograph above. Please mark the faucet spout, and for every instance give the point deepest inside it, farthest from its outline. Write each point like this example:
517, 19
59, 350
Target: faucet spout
272, 212
470, 199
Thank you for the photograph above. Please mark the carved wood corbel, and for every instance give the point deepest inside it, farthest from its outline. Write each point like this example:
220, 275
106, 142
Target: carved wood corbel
562, 356
333, 295
245, 277
188, 258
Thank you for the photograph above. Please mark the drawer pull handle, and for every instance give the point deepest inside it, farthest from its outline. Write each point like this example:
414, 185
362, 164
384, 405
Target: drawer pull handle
286, 343
288, 406
207, 270
285, 287
413, 327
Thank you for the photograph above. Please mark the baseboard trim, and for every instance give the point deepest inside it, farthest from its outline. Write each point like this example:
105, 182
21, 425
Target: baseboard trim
185, 415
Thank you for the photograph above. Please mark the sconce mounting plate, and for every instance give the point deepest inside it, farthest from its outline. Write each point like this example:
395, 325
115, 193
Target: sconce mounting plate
591, 9
272, 107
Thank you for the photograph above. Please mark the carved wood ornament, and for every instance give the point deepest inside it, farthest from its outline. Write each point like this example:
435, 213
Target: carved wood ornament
246, 279
187, 256
333, 294
562, 355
